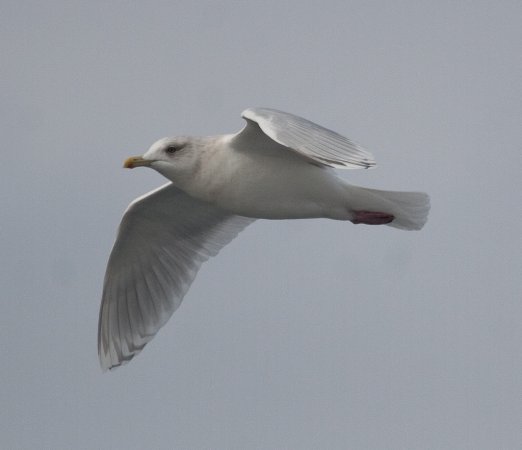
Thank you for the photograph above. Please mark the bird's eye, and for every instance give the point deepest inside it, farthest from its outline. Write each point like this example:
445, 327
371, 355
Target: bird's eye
171, 149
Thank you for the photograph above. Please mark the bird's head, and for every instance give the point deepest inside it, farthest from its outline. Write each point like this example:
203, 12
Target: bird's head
173, 157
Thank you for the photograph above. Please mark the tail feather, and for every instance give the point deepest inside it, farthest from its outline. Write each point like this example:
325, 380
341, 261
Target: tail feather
410, 209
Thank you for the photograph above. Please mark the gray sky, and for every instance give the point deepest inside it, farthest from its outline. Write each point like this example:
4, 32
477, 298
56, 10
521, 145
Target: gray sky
300, 334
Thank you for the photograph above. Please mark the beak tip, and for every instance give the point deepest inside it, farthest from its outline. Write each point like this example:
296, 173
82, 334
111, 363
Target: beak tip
129, 163
136, 161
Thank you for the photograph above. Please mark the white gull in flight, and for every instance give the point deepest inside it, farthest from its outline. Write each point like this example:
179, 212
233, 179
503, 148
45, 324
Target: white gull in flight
279, 166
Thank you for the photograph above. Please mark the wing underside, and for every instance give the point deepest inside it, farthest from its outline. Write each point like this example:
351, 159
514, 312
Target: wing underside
163, 239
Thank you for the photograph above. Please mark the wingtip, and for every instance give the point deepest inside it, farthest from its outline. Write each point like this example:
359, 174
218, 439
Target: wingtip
108, 366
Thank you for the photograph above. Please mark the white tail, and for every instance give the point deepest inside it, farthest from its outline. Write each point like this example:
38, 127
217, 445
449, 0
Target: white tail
409, 208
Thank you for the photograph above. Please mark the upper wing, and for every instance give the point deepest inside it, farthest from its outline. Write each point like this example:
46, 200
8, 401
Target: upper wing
163, 239
319, 144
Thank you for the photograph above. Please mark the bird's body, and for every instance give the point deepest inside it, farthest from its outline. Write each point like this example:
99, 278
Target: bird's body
278, 167
264, 183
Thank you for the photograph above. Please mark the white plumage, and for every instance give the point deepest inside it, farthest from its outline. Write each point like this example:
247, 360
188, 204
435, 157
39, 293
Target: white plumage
278, 167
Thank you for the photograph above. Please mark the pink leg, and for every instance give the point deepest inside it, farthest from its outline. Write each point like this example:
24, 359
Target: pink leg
372, 217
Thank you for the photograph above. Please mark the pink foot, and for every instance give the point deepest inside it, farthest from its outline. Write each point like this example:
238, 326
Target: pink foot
372, 217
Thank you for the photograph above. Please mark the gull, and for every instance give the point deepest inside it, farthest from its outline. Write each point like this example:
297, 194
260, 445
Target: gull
279, 166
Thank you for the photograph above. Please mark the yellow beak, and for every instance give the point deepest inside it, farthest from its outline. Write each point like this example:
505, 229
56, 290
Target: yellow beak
136, 161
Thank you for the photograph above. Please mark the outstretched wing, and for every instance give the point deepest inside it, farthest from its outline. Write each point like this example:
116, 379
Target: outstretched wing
163, 239
310, 140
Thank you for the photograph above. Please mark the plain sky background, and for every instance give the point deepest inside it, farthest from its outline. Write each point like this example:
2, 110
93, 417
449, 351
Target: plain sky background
300, 334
